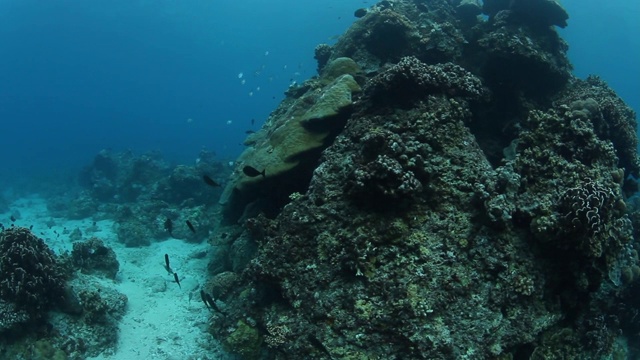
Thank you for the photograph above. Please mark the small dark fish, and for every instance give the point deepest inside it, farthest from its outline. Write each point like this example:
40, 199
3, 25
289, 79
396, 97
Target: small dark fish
168, 226
253, 172
249, 132
212, 303
203, 295
253, 121
190, 225
209, 181
13, 218
175, 277
166, 264
31, 227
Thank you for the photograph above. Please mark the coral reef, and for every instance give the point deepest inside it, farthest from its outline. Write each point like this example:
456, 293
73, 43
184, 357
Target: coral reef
85, 325
244, 340
123, 176
471, 207
93, 256
32, 277
410, 80
300, 130
541, 13
133, 233
120, 185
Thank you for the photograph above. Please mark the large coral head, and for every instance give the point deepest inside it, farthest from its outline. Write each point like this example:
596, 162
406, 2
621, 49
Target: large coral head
30, 274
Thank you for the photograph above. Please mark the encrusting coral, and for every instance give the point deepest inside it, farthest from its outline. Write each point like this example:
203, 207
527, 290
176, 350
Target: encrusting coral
472, 206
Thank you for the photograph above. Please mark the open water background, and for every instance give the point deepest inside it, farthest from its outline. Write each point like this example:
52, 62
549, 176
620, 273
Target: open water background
80, 76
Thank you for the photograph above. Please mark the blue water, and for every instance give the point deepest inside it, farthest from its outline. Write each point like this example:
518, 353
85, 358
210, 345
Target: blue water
604, 40
80, 76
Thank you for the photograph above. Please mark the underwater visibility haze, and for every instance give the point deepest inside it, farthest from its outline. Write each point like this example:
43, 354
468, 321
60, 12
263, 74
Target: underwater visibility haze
340, 179
145, 75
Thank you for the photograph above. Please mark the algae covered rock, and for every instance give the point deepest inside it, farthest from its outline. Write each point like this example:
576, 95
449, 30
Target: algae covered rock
471, 207
338, 67
244, 340
291, 142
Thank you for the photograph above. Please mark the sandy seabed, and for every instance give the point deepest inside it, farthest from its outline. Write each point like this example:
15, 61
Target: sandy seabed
162, 320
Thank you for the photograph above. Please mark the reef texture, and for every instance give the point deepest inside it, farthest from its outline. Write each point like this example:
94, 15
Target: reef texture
32, 277
36, 281
87, 327
93, 256
142, 192
471, 207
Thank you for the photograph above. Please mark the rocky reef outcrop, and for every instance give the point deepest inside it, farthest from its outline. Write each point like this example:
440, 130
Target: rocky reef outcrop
473, 205
47, 311
93, 256
33, 278
143, 192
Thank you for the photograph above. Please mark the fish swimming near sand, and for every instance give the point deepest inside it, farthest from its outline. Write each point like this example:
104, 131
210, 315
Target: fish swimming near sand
166, 264
168, 226
204, 298
190, 225
209, 302
209, 181
250, 171
177, 280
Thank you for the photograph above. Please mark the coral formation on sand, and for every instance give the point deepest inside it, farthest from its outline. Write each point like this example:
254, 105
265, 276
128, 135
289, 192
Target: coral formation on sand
471, 204
93, 256
32, 277
35, 281
298, 134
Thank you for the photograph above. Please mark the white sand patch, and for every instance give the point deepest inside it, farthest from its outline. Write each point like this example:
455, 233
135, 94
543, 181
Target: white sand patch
163, 320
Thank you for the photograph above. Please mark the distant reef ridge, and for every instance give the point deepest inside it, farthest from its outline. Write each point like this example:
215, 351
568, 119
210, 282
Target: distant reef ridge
445, 188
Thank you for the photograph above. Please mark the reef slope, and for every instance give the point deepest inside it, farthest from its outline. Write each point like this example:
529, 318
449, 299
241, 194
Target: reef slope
472, 206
